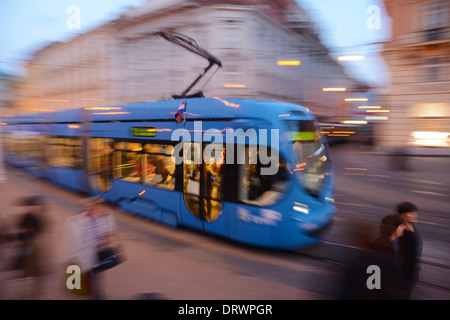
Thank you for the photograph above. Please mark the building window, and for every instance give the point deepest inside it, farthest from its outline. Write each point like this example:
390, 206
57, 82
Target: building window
232, 73
231, 34
436, 17
436, 69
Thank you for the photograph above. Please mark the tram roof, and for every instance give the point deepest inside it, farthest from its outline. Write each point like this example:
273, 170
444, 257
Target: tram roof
200, 108
196, 108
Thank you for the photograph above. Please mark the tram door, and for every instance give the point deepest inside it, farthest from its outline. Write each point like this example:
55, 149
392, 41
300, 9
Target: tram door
100, 165
202, 187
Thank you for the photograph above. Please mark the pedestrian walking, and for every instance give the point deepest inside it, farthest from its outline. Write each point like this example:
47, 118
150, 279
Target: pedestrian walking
382, 257
30, 258
92, 244
409, 245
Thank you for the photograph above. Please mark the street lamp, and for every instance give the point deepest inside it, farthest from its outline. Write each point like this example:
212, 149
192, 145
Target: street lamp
289, 63
356, 100
369, 107
351, 58
334, 89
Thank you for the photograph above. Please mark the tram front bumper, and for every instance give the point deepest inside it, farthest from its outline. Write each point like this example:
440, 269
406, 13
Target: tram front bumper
306, 230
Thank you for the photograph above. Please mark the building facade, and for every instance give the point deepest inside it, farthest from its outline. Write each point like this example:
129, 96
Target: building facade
419, 60
121, 62
73, 74
7, 82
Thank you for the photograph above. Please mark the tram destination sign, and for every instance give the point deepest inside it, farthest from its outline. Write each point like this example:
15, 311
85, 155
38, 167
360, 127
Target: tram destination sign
143, 131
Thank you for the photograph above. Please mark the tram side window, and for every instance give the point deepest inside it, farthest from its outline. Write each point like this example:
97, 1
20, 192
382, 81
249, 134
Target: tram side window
100, 163
151, 164
34, 152
74, 152
64, 152
257, 189
36, 149
192, 178
203, 191
12, 143
158, 166
8, 142
22, 146
48, 151
126, 160
213, 182
53, 152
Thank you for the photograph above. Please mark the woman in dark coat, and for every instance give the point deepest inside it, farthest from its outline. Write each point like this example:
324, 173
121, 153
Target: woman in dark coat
31, 226
381, 254
409, 245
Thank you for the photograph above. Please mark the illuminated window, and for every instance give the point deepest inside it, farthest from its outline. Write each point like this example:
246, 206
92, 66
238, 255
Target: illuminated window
8, 142
100, 164
192, 178
29, 147
203, 182
312, 154
126, 160
64, 152
151, 164
257, 189
157, 166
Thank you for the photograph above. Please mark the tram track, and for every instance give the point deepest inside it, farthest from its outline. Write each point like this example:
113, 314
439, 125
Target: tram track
355, 251
357, 208
364, 204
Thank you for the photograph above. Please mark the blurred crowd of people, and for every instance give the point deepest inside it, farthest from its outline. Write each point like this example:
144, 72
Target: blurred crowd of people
28, 257
89, 241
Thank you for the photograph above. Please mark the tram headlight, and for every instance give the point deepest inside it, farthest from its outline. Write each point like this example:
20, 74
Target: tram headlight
301, 209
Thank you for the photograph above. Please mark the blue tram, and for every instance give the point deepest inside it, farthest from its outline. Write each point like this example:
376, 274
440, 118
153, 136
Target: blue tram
254, 171
204, 172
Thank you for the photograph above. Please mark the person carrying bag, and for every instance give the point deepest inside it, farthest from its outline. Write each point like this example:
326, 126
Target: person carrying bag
95, 243
110, 252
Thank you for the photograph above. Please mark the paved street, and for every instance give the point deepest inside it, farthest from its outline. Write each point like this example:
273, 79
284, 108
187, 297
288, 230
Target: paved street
181, 264
368, 188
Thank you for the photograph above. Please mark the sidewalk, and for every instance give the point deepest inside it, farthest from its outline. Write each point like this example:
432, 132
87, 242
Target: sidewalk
421, 152
177, 270
420, 164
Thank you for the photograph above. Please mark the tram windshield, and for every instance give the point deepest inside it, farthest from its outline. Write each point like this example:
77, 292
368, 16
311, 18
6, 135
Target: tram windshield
312, 156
